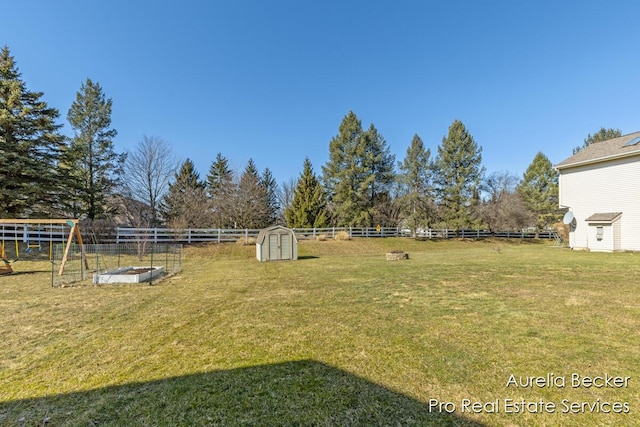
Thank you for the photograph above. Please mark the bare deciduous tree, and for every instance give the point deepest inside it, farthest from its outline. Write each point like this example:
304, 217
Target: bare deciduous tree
149, 168
503, 209
285, 197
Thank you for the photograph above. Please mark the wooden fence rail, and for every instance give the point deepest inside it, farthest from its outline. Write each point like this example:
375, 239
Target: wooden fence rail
58, 234
197, 235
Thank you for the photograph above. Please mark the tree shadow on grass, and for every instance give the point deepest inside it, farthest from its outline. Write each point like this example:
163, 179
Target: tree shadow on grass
301, 393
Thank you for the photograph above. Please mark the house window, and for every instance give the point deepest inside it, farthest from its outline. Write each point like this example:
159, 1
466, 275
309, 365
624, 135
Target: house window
599, 232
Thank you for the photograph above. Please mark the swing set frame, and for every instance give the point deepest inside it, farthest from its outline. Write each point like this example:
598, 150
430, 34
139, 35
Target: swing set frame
73, 232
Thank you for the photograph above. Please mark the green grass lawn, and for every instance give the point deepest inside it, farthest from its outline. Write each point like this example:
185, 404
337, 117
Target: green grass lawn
339, 337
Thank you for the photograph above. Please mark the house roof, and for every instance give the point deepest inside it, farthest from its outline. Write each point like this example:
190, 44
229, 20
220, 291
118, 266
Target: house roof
604, 217
603, 151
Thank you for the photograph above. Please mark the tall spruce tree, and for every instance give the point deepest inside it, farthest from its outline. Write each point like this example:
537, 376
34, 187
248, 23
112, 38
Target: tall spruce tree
221, 187
96, 166
185, 205
30, 146
271, 187
416, 186
602, 135
380, 164
458, 173
250, 203
539, 191
359, 173
344, 174
309, 207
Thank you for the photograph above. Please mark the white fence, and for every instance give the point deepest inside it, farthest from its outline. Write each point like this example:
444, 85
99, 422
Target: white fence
33, 234
197, 235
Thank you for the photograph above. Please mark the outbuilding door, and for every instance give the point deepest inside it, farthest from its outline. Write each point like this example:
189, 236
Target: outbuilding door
279, 246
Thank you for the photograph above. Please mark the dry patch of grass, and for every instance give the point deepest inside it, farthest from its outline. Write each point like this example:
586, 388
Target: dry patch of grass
340, 337
246, 241
342, 235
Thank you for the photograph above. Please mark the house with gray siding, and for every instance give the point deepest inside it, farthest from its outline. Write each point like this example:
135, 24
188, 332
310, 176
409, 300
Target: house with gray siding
600, 186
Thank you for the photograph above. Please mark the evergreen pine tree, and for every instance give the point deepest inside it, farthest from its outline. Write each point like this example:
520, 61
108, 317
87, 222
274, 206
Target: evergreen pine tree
344, 174
380, 164
185, 205
457, 176
602, 135
308, 208
250, 204
271, 187
30, 146
252, 170
221, 187
416, 187
358, 174
539, 191
96, 166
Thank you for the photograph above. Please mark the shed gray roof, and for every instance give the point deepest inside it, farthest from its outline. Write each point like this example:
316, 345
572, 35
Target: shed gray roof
604, 217
602, 151
273, 229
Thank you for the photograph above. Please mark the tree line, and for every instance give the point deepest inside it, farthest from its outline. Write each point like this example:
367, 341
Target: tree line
46, 174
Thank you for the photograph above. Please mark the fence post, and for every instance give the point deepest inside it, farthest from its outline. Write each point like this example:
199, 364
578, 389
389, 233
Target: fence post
166, 257
333, 232
350, 232
155, 235
153, 248
218, 235
188, 235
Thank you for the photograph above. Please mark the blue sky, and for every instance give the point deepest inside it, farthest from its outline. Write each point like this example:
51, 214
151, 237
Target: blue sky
272, 80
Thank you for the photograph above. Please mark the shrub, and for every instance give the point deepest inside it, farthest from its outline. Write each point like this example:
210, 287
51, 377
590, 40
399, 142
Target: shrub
342, 235
246, 241
321, 237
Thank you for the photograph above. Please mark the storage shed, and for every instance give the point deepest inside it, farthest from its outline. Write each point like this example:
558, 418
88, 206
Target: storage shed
276, 243
603, 233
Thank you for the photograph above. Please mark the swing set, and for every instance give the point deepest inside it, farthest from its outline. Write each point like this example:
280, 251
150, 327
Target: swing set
31, 245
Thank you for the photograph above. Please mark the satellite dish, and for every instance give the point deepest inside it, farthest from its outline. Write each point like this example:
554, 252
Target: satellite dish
568, 218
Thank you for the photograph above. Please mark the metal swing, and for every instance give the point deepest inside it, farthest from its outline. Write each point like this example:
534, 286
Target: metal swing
30, 245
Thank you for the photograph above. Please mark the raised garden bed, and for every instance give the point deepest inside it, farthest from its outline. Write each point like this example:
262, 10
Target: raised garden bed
128, 275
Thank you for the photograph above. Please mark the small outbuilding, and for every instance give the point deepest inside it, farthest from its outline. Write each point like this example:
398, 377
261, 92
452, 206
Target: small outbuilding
276, 243
603, 233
